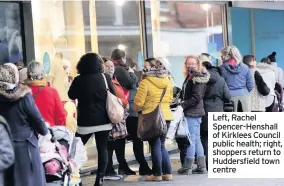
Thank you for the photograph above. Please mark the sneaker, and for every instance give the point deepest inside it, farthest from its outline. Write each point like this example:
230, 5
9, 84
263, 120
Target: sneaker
112, 177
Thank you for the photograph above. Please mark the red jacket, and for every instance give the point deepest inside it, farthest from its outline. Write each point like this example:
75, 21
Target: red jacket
50, 105
119, 92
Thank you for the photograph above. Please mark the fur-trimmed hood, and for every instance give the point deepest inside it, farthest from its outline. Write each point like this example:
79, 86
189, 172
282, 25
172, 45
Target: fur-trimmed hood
14, 95
201, 77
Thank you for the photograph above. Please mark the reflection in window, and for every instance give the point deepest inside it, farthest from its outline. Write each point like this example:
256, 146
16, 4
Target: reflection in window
10, 33
188, 28
118, 26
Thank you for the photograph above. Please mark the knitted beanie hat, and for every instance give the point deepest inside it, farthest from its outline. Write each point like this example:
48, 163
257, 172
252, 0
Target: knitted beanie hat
9, 76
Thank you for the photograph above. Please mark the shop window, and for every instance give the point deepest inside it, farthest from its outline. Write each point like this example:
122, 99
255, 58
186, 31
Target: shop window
187, 28
118, 26
11, 49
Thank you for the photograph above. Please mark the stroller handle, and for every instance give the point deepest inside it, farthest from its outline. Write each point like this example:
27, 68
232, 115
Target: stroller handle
52, 135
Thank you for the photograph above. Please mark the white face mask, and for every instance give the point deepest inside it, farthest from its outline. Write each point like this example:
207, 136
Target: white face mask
109, 71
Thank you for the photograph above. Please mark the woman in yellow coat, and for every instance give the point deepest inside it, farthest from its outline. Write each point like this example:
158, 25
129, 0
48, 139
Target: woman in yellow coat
147, 99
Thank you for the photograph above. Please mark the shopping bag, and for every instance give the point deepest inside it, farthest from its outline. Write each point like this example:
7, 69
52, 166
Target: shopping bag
183, 131
178, 115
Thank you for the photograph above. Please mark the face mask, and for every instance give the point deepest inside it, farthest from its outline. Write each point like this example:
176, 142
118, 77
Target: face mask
145, 70
190, 70
110, 71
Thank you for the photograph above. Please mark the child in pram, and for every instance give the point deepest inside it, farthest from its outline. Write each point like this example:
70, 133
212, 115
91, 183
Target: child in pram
62, 155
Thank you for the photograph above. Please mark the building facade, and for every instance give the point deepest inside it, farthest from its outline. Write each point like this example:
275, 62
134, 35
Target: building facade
45, 29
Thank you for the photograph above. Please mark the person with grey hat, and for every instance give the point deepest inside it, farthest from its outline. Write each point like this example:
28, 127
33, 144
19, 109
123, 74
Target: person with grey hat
25, 121
46, 98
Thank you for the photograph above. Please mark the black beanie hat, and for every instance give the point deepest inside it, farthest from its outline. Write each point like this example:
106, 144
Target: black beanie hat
272, 57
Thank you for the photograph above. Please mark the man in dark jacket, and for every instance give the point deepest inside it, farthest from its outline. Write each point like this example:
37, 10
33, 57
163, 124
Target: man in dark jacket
6, 150
216, 94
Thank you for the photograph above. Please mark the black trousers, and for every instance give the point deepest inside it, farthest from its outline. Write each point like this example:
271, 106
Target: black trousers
204, 141
119, 147
138, 147
101, 144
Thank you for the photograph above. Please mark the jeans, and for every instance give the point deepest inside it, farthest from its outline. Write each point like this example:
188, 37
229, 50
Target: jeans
101, 143
119, 147
160, 157
196, 146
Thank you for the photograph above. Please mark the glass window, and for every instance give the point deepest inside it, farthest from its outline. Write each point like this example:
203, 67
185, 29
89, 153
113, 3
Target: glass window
11, 49
118, 26
187, 28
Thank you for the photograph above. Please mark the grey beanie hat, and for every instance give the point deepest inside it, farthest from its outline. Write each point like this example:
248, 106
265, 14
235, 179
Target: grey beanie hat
35, 71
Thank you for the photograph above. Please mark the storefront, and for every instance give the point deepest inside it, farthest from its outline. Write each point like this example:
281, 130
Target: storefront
58, 33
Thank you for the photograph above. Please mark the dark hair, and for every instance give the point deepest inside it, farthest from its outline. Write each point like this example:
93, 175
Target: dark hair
248, 58
151, 60
272, 57
118, 54
105, 59
130, 62
265, 60
90, 63
206, 54
207, 65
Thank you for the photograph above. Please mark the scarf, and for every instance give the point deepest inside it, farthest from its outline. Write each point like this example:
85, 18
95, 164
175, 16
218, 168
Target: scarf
161, 73
30, 82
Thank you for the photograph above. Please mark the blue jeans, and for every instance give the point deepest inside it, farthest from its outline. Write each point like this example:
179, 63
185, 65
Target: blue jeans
160, 157
196, 145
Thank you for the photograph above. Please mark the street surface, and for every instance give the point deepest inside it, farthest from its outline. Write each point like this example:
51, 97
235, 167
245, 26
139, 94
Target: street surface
192, 180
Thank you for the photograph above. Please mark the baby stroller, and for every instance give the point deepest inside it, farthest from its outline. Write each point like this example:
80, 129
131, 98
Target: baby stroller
62, 156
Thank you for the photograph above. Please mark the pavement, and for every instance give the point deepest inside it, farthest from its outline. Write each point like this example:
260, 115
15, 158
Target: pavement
192, 180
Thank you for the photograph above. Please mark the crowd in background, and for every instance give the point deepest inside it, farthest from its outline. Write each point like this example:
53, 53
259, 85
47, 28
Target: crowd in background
30, 106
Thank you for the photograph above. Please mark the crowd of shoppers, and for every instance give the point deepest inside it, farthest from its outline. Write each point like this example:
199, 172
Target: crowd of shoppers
29, 106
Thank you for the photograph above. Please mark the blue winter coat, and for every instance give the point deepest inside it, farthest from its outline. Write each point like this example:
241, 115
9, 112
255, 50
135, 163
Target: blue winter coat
25, 121
239, 79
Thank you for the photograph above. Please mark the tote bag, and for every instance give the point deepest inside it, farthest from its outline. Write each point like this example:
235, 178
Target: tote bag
153, 124
178, 116
114, 106
183, 131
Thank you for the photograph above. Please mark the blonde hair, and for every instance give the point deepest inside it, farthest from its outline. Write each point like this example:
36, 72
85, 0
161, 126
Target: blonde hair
233, 52
200, 67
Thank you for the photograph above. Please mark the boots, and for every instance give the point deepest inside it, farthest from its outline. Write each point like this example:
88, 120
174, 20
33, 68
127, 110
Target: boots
187, 167
144, 170
125, 170
201, 166
99, 180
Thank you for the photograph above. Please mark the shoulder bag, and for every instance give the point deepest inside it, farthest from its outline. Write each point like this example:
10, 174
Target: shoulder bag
114, 106
153, 124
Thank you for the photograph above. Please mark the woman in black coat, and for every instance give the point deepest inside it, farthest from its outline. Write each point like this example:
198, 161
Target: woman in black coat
89, 89
25, 121
129, 82
216, 94
192, 102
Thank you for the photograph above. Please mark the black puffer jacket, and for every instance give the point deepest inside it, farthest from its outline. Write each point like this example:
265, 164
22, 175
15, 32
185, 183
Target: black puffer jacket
192, 94
126, 79
217, 93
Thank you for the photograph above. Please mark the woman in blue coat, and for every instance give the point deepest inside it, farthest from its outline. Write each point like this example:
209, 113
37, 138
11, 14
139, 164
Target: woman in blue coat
25, 121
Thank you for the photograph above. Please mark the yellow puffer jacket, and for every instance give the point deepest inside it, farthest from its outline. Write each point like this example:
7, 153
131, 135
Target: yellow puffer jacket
149, 94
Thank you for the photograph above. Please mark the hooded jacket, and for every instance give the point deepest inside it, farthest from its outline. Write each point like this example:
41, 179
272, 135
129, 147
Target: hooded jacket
217, 92
239, 78
24, 119
268, 74
149, 94
193, 93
